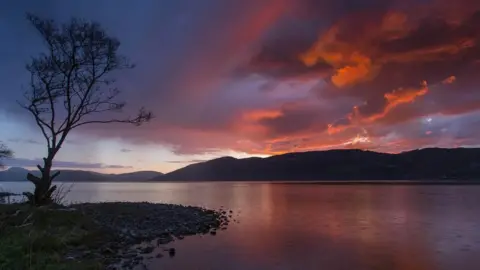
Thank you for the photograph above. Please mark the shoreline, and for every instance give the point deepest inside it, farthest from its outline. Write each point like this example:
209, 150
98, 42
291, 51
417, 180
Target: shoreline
117, 235
7, 194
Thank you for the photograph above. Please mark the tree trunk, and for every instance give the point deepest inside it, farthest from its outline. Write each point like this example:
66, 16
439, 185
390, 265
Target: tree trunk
43, 185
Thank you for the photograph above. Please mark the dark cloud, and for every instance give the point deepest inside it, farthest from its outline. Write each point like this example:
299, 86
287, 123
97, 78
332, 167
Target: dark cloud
294, 118
125, 150
279, 57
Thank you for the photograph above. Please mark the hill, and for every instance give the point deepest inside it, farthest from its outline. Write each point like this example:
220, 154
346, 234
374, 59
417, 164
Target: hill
19, 174
424, 164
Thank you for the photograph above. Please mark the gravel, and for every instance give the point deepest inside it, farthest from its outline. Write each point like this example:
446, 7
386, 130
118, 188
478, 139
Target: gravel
137, 225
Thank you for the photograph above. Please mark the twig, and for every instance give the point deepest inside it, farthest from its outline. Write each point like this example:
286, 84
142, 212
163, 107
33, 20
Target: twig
24, 225
26, 219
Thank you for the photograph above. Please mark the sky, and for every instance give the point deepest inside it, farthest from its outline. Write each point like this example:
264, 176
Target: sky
260, 77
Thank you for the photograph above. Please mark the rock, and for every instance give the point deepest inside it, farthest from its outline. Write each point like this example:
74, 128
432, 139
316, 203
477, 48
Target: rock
105, 251
126, 264
134, 223
130, 255
164, 240
147, 249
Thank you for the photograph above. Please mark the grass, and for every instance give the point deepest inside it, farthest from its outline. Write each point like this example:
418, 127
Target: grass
44, 238
6, 196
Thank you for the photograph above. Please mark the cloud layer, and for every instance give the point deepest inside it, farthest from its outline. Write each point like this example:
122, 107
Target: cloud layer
274, 76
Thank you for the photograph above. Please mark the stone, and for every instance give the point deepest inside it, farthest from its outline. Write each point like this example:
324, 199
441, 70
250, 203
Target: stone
134, 223
147, 249
106, 251
163, 240
171, 252
130, 255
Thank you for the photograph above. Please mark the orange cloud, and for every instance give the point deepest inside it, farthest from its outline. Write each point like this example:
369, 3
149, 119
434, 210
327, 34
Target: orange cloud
358, 60
393, 99
332, 129
433, 53
361, 70
248, 125
398, 97
256, 115
449, 80
395, 24
359, 50
358, 140
351, 65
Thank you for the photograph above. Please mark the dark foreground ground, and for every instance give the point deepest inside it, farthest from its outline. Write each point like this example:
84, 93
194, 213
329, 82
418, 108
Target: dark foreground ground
97, 236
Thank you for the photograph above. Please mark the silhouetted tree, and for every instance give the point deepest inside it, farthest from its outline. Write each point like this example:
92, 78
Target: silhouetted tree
4, 153
69, 86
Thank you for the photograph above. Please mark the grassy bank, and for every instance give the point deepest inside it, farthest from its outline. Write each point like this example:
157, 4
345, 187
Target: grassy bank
94, 236
32, 238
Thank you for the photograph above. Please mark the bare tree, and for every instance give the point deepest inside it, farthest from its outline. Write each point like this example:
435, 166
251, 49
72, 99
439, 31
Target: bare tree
69, 86
4, 153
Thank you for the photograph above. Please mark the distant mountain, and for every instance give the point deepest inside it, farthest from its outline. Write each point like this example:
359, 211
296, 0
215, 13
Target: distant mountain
19, 174
424, 164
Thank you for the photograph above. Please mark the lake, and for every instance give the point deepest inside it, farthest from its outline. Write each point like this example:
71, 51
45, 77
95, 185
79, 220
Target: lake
311, 226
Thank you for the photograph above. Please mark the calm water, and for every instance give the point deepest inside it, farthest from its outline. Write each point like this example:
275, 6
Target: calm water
308, 226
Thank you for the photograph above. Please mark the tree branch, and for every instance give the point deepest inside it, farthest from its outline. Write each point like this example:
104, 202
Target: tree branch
141, 118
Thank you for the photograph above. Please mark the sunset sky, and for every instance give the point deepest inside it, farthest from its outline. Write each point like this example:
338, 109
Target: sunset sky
261, 77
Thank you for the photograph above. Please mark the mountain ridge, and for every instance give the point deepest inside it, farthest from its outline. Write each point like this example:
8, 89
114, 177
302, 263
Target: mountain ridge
348, 164
15, 174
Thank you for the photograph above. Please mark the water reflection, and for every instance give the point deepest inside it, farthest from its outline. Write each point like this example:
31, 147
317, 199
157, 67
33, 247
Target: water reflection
285, 226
